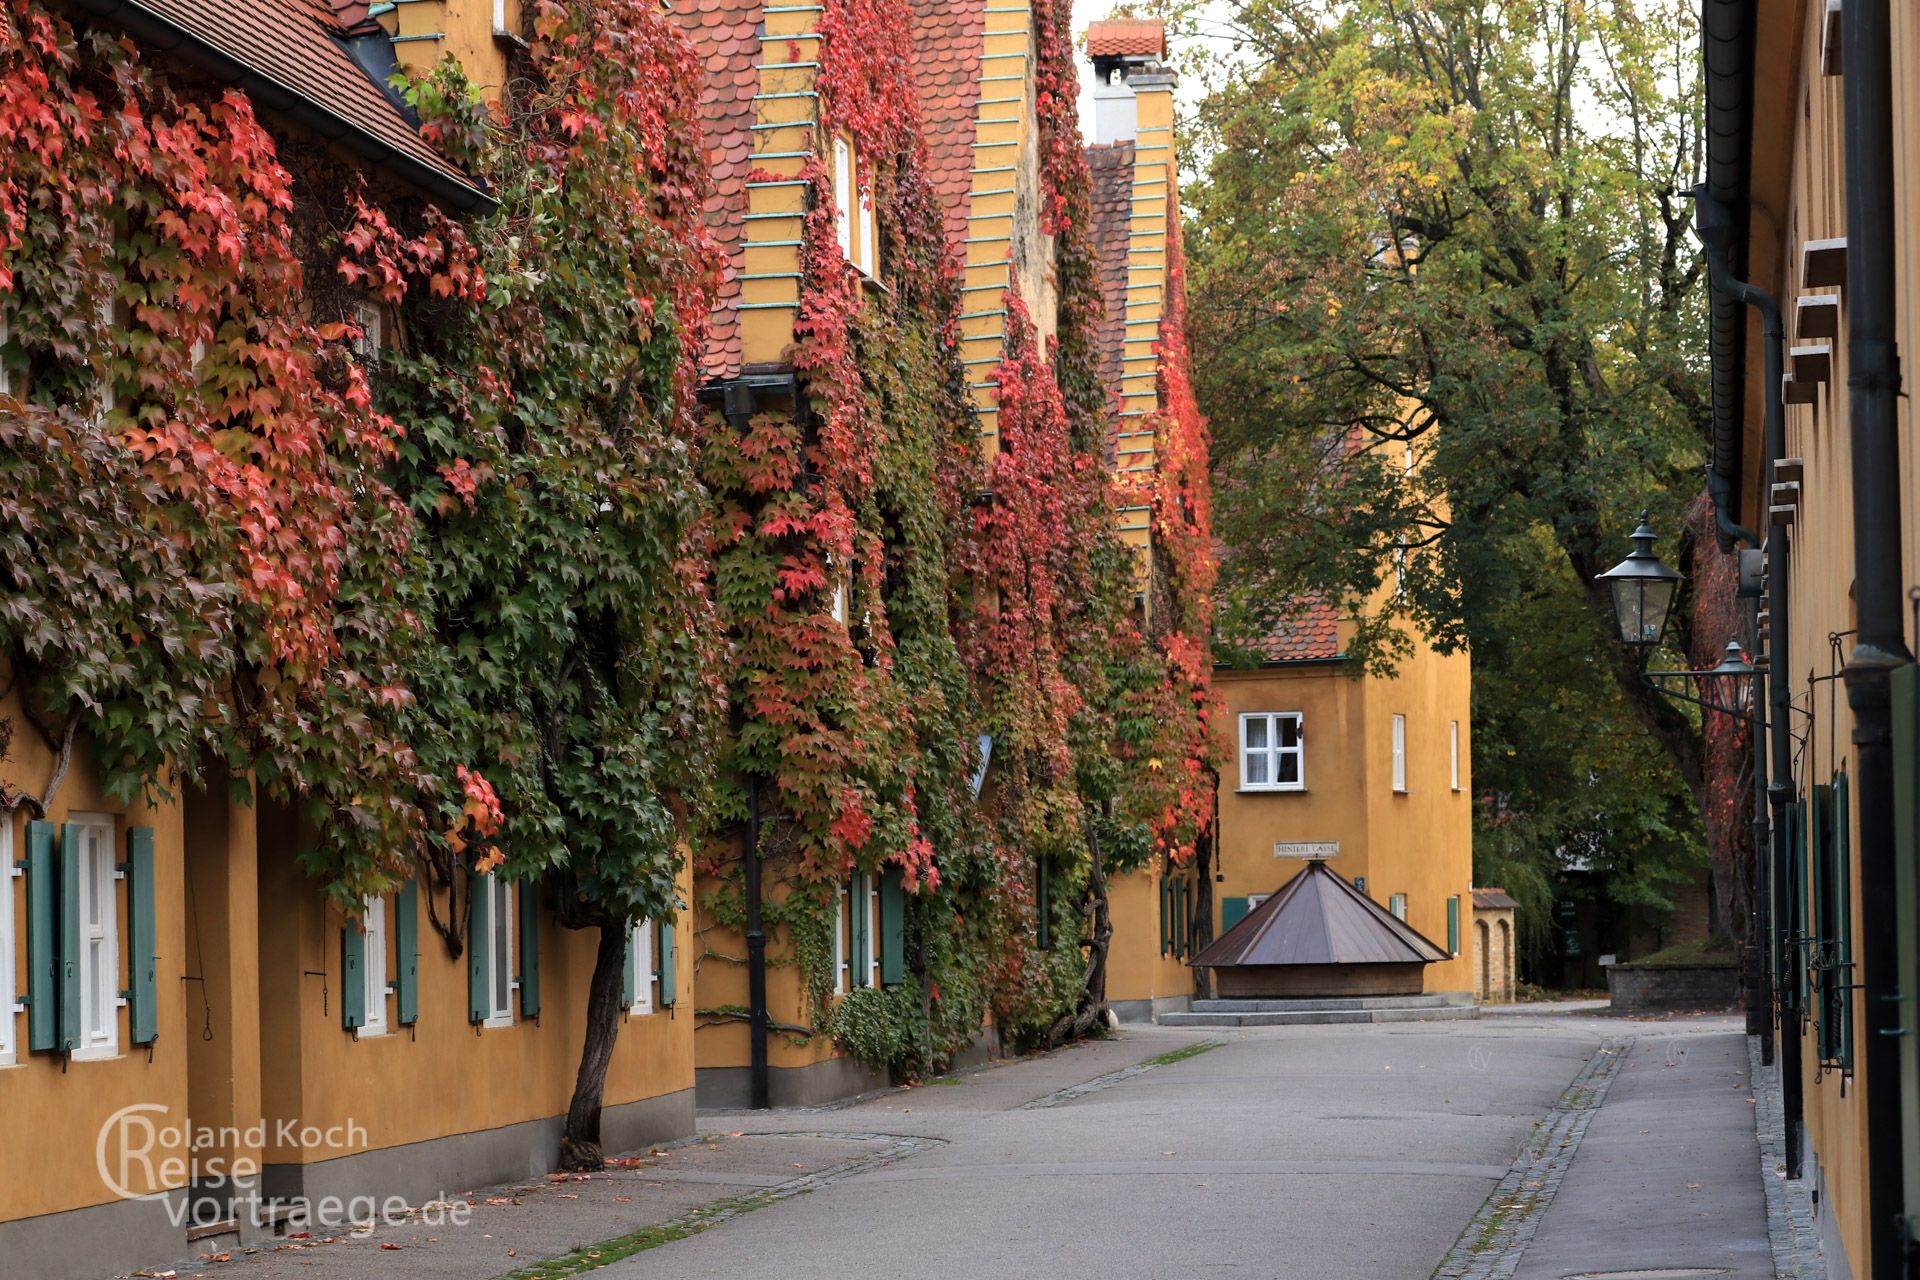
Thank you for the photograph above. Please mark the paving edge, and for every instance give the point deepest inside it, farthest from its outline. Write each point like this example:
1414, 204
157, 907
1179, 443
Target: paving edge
1491, 1246
1111, 1078
708, 1216
1792, 1223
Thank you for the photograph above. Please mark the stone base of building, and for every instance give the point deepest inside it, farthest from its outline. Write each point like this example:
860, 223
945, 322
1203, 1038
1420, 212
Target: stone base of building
100, 1240
339, 1190
1634, 987
1149, 1010
731, 1088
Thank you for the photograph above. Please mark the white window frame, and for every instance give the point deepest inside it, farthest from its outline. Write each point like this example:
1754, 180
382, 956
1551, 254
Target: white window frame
870, 903
9, 1008
843, 195
99, 953
373, 328
6, 331
641, 940
500, 978
109, 395
863, 215
1274, 751
1453, 749
840, 939
1400, 753
1397, 906
373, 966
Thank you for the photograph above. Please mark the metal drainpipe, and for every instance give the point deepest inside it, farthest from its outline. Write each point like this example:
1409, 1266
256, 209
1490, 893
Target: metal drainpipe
1716, 229
1873, 389
738, 407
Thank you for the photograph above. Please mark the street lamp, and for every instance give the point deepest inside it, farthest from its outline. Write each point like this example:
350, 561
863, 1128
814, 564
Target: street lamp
1643, 587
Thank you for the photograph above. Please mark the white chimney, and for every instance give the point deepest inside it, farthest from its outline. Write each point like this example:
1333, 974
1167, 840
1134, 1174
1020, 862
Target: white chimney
1116, 116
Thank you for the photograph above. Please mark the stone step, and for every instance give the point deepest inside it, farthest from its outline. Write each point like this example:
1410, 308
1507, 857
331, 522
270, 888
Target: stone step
1434, 1000
1319, 1017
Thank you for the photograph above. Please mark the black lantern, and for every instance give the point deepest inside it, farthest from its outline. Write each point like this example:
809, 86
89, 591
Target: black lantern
1728, 687
1643, 587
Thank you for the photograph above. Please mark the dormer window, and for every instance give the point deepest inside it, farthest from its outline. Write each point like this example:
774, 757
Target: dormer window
853, 207
366, 317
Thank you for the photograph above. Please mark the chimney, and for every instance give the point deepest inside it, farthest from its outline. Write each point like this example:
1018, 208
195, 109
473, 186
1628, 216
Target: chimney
1125, 52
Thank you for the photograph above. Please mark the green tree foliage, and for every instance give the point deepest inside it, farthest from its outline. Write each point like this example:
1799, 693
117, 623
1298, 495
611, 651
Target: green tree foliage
1453, 328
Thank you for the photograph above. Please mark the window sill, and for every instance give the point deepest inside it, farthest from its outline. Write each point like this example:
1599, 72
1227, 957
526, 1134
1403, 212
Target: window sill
1269, 790
640, 1010
98, 1053
498, 1020
372, 1032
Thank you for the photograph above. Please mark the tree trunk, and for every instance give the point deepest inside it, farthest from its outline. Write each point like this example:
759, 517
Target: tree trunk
580, 1143
1091, 1007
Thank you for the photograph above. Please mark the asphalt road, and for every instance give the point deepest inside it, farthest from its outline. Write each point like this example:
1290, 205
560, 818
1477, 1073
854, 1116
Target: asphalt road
1323, 1153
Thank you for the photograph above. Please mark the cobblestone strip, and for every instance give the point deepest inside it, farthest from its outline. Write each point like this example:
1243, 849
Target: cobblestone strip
706, 1217
1791, 1228
1491, 1246
1113, 1078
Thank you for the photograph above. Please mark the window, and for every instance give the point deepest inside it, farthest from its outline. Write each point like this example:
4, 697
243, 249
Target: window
840, 940
1397, 904
1270, 751
373, 923
367, 317
868, 262
6, 379
109, 396
843, 194
1400, 754
7, 873
99, 949
839, 606
641, 953
1453, 754
499, 892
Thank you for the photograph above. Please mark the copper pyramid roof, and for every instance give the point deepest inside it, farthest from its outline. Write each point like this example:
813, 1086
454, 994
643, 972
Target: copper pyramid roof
1318, 918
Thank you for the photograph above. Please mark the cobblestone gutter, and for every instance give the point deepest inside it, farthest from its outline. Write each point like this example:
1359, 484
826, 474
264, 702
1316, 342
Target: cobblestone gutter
1791, 1221
1491, 1246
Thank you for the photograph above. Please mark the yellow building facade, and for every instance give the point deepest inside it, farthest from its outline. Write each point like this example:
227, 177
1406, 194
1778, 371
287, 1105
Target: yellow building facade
1810, 193
1380, 767
199, 1048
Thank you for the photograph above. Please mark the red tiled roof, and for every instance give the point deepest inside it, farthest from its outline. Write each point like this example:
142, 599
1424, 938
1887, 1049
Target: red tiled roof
726, 35
1112, 166
948, 39
298, 48
1309, 631
1127, 38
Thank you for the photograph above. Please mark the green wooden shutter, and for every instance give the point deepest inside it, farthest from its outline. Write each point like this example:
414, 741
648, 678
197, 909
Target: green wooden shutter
143, 937
1842, 947
70, 942
1166, 915
629, 979
861, 946
1232, 912
353, 975
1043, 901
406, 952
1797, 887
665, 951
1453, 925
1905, 688
529, 949
1820, 832
43, 952
479, 937
893, 926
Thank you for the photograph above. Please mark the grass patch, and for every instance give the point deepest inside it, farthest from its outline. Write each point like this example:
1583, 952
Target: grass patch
1719, 951
607, 1252
1181, 1054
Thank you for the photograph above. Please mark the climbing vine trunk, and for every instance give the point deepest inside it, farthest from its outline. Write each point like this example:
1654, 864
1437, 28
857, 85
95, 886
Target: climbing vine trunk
1091, 1007
580, 1142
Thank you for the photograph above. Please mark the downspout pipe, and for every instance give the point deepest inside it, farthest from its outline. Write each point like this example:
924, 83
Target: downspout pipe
1873, 390
737, 404
1726, 51
1718, 229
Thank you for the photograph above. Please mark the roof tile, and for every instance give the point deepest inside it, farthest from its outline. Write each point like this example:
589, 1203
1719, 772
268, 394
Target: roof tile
949, 37
726, 36
299, 44
1127, 37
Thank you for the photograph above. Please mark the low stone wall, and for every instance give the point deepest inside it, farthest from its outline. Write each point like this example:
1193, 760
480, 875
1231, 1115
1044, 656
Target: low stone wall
1673, 986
